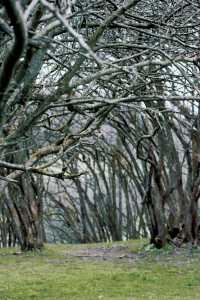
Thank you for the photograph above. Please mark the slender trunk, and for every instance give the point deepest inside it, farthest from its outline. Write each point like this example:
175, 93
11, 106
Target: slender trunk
26, 212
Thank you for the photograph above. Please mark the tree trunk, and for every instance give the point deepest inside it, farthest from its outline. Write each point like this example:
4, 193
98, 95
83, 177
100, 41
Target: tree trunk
26, 212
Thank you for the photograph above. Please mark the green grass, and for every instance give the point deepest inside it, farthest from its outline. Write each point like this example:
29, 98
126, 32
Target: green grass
52, 275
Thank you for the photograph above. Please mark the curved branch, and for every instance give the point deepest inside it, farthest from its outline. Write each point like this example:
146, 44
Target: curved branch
144, 137
14, 13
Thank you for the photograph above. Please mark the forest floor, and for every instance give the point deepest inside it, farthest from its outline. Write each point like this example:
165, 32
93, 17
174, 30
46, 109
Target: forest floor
122, 271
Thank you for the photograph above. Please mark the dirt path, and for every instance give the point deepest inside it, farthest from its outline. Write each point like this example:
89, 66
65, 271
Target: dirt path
175, 256
103, 253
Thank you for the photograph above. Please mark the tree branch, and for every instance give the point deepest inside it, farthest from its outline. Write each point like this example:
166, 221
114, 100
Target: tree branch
14, 12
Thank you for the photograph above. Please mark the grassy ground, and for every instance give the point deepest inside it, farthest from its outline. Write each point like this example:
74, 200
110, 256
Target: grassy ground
55, 274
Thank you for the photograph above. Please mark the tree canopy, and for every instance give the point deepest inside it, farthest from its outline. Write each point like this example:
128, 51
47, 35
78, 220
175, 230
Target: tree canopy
99, 121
